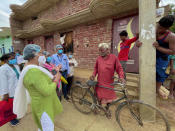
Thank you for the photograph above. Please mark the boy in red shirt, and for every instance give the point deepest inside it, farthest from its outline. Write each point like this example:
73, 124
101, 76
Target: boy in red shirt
124, 49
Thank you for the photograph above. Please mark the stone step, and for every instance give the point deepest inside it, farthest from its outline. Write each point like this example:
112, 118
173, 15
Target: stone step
132, 80
130, 83
132, 75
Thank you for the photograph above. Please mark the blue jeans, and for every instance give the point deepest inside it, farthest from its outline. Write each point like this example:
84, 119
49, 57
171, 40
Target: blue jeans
64, 86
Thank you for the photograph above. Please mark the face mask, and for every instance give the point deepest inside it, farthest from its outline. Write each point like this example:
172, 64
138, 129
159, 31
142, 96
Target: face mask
60, 51
70, 56
42, 60
103, 54
17, 54
49, 59
12, 62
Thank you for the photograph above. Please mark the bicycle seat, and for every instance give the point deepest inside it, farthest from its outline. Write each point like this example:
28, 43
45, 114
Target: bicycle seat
91, 83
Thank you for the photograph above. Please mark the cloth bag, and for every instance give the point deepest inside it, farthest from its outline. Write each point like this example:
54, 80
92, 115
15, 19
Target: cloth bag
6, 111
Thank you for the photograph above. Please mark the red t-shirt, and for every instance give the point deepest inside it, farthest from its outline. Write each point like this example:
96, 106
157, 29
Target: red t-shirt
124, 49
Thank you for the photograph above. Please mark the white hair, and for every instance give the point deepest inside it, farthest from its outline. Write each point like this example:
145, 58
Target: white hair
103, 45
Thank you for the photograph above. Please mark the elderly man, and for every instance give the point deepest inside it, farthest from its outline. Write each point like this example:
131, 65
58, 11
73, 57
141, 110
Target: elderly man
106, 65
62, 59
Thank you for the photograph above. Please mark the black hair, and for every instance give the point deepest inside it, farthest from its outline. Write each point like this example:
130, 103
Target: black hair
123, 33
18, 51
167, 21
12, 53
5, 57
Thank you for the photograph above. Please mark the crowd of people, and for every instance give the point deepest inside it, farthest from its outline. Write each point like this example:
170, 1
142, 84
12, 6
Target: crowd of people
41, 78
38, 78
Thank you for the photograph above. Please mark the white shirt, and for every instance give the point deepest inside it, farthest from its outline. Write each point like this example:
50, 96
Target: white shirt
72, 67
20, 60
8, 80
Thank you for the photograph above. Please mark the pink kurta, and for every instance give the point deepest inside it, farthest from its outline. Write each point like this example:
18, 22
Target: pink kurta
105, 68
50, 67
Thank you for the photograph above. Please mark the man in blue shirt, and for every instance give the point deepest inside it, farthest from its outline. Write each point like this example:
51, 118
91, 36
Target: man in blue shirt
62, 59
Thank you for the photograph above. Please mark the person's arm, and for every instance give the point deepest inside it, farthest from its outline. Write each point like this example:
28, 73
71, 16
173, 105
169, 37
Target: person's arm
171, 65
172, 70
40, 82
119, 69
4, 85
171, 50
95, 71
138, 44
130, 41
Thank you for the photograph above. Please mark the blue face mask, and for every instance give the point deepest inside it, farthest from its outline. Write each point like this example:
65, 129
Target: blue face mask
12, 62
60, 51
48, 59
17, 54
70, 56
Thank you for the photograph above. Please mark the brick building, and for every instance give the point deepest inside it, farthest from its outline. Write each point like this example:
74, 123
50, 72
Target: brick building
86, 23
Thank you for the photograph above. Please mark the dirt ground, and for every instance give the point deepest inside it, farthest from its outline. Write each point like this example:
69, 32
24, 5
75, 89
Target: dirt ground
71, 120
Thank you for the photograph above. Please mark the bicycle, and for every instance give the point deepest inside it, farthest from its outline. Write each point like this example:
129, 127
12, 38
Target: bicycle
130, 114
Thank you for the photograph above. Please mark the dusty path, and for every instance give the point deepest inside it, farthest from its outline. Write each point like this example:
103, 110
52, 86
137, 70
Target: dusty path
70, 120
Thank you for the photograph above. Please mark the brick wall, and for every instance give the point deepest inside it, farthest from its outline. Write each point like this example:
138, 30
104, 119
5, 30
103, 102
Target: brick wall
61, 9
86, 39
56, 38
40, 41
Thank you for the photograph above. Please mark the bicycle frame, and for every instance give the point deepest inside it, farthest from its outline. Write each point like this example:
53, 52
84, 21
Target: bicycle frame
118, 100
113, 102
96, 106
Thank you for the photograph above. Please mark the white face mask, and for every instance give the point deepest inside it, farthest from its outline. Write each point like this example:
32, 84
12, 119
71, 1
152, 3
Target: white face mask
42, 60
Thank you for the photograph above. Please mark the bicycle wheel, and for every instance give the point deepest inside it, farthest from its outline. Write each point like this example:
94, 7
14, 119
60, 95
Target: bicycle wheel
83, 99
138, 116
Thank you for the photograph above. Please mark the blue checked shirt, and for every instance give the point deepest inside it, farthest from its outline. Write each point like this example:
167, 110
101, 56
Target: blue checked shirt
63, 60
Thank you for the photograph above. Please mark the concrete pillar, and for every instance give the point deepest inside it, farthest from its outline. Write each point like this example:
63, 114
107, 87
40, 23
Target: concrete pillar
147, 53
